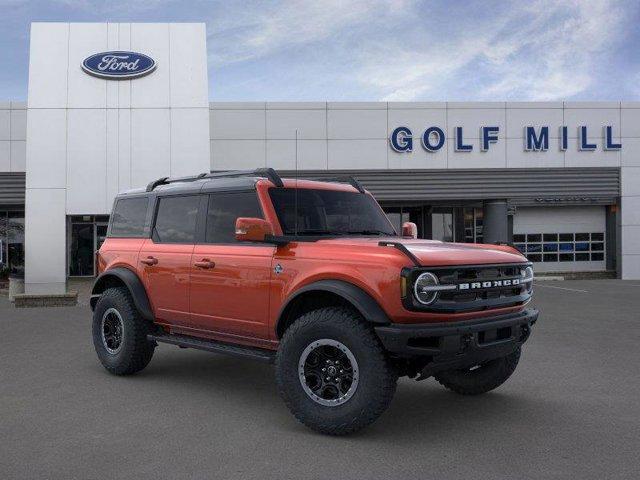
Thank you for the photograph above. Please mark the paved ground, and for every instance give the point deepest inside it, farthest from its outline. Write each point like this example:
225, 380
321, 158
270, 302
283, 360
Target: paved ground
572, 409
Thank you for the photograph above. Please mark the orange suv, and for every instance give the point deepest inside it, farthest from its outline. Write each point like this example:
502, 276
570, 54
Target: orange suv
310, 276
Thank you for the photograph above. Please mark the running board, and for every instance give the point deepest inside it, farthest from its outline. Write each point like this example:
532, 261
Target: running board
184, 341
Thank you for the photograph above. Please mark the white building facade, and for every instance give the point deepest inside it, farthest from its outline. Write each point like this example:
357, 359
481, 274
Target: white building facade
561, 180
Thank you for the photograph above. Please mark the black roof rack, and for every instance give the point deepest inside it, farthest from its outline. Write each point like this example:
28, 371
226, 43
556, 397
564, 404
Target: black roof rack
346, 179
269, 173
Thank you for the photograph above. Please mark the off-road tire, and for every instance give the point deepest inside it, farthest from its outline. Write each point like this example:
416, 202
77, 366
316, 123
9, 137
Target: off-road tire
136, 350
377, 378
482, 379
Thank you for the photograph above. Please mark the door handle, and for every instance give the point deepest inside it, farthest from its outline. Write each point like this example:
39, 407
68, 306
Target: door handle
205, 263
149, 261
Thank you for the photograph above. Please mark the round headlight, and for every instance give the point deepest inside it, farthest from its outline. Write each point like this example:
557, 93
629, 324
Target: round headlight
423, 288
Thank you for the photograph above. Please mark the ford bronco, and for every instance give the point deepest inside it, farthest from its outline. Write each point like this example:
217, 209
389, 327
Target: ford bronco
310, 276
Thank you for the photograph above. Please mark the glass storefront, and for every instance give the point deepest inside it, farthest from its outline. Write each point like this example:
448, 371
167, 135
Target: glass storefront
85, 234
446, 223
11, 243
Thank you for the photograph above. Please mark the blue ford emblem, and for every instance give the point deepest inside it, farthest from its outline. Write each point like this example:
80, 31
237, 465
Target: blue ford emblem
118, 65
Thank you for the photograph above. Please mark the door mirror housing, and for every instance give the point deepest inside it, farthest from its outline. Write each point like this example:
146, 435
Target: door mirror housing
409, 230
253, 229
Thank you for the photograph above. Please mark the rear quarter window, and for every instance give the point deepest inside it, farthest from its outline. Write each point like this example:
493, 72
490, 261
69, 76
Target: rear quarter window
129, 217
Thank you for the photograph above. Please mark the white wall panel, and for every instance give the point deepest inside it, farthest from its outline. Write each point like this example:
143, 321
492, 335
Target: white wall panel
124, 86
153, 90
5, 156
237, 154
357, 124
124, 150
45, 240
495, 157
517, 157
47, 148
237, 124
418, 120
312, 154
113, 43
18, 156
48, 63
188, 56
5, 124
630, 181
630, 120
282, 124
355, 154
18, 124
472, 119
592, 118
86, 91
518, 118
150, 145
598, 158
189, 141
630, 153
86, 161
419, 158
111, 160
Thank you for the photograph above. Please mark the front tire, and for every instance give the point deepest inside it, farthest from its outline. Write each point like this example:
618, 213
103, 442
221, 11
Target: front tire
120, 333
482, 378
333, 373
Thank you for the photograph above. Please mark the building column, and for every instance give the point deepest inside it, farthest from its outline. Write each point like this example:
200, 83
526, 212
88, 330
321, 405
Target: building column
495, 221
45, 241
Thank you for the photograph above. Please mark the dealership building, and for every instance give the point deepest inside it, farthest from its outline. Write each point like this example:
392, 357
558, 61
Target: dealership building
113, 106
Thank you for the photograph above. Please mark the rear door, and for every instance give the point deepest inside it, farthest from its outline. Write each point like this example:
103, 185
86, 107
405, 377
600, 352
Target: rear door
230, 280
165, 258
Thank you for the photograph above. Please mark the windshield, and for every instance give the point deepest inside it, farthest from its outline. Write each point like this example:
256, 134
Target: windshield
329, 212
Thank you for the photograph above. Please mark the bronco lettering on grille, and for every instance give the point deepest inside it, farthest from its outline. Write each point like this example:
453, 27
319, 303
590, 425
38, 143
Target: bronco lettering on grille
510, 282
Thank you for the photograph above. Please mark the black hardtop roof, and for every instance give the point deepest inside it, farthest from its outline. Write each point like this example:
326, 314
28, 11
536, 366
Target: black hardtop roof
219, 181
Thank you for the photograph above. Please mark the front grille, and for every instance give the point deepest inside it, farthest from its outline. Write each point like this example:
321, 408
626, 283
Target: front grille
477, 288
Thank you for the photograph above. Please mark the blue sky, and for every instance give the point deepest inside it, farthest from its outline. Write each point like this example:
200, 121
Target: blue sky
361, 50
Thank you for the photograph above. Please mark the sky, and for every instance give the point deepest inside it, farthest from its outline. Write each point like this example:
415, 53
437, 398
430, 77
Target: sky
377, 50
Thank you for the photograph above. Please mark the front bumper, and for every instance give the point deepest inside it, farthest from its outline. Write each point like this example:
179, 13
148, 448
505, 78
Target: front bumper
449, 346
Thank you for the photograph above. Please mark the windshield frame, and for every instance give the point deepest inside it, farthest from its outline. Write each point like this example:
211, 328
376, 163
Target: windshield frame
386, 227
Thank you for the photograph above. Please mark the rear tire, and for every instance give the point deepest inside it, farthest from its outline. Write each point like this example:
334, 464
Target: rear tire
363, 380
481, 379
120, 333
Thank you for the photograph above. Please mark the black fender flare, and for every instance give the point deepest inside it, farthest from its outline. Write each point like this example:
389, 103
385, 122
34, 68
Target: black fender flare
368, 307
133, 284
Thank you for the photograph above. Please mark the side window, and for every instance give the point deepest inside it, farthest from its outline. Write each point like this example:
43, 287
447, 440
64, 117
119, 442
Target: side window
129, 217
224, 209
176, 219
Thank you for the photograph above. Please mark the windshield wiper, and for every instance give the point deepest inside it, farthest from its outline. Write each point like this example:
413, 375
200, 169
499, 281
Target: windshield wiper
370, 232
319, 231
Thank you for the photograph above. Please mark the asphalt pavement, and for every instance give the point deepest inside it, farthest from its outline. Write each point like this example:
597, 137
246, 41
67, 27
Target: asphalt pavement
571, 410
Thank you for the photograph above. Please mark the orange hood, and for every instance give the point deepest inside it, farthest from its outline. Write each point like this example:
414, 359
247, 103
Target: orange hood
436, 253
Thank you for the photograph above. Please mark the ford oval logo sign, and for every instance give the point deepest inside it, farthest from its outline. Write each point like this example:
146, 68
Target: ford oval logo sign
118, 65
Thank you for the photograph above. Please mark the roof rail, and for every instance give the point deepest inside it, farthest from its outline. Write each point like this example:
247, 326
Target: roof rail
346, 179
269, 173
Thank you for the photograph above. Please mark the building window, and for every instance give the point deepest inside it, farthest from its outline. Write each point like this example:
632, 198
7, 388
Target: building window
11, 243
561, 247
473, 220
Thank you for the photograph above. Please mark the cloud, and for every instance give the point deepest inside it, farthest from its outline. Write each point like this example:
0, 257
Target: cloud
260, 29
542, 51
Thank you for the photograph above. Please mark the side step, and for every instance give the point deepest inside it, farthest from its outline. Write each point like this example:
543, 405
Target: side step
184, 341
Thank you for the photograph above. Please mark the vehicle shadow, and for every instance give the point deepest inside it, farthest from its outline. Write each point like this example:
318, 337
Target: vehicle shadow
419, 409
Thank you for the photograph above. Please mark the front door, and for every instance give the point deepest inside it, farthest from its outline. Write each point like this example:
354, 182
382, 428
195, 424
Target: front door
230, 280
165, 258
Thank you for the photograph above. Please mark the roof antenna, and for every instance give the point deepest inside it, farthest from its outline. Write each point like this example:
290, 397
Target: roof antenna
295, 209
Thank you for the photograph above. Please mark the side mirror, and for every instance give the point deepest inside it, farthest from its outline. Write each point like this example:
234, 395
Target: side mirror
252, 229
410, 230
